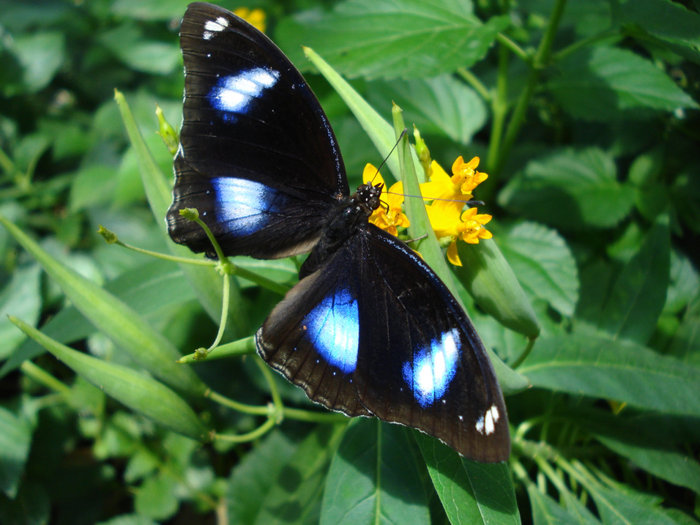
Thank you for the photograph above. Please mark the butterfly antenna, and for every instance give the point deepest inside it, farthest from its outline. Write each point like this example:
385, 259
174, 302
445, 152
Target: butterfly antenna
401, 136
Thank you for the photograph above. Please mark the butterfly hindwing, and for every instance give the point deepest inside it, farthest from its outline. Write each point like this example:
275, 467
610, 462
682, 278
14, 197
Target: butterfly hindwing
257, 155
312, 335
420, 361
376, 328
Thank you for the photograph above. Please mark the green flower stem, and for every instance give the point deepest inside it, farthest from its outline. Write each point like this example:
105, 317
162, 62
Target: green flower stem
165, 256
539, 61
245, 346
499, 108
513, 47
254, 410
41, 376
6, 164
526, 352
311, 416
274, 392
250, 436
610, 36
476, 84
224, 312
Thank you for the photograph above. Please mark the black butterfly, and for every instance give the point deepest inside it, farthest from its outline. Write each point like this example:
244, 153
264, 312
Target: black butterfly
369, 330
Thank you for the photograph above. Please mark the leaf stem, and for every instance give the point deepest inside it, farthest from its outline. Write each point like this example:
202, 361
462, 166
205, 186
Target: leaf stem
539, 61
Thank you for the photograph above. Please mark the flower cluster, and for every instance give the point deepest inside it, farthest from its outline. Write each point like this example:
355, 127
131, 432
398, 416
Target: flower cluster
255, 17
449, 196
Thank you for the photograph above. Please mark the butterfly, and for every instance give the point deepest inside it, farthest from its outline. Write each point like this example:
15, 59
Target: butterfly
369, 330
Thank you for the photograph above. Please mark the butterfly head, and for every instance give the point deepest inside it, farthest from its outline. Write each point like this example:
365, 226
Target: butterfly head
368, 196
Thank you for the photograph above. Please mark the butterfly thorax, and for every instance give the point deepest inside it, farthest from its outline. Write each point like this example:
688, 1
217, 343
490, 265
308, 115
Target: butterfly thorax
342, 222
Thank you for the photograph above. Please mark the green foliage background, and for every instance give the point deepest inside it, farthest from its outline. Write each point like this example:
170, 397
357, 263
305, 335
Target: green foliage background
584, 114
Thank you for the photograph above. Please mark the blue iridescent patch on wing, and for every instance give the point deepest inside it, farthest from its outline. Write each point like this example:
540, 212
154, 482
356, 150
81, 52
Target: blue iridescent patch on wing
233, 94
433, 368
333, 327
244, 205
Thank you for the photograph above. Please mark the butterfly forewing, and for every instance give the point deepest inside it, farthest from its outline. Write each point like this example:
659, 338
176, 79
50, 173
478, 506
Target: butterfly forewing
369, 329
257, 155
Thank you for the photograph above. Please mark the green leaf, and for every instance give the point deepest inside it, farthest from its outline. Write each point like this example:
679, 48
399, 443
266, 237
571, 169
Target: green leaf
470, 492
399, 38
603, 82
490, 279
644, 447
156, 498
152, 10
544, 509
295, 496
374, 477
41, 55
619, 370
21, 297
254, 476
147, 289
544, 264
137, 391
115, 319
443, 105
665, 20
623, 508
638, 295
570, 189
93, 185
15, 439
129, 45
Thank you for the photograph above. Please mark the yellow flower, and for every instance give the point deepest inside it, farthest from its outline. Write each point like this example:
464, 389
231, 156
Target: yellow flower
468, 228
255, 17
452, 193
389, 216
449, 195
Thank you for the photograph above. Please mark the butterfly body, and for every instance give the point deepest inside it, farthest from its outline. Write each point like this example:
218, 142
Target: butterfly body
369, 330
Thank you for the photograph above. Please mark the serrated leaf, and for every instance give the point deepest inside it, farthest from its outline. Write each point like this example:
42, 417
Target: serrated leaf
637, 297
575, 189
470, 492
397, 38
666, 20
374, 477
295, 496
544, 264
599, 367
603, 82
441, 105
254, 476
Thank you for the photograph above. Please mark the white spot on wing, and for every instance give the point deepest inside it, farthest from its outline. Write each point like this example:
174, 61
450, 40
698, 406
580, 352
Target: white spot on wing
233, 93
486, 424
214, 26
